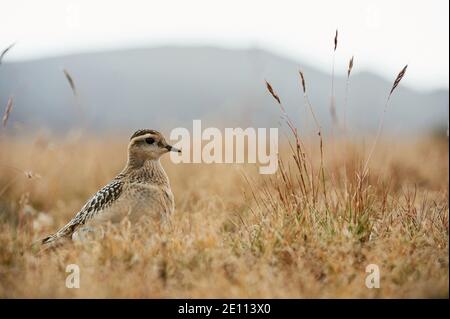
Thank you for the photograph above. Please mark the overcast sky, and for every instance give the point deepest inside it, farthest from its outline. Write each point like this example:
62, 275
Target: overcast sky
382, 34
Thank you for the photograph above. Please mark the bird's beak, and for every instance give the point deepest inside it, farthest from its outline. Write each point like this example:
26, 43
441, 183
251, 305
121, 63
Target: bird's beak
170, 148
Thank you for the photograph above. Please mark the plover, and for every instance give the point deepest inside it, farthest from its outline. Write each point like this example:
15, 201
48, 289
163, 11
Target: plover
141, 189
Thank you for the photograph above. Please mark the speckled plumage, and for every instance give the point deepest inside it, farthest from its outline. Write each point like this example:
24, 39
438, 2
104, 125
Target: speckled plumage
141, 189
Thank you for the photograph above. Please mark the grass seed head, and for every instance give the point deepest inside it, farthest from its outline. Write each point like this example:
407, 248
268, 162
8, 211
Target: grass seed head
335, 40
71, 81
303, 81
8, 110
271, 91
5, 51
350, 67
398, 79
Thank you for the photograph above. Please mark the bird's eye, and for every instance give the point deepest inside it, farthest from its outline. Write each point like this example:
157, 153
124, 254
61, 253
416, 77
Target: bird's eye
150, 140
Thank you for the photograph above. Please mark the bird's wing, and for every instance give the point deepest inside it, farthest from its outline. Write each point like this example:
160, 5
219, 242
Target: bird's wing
104, 198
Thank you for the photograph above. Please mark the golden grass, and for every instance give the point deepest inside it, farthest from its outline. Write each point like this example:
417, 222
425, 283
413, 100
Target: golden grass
224, 243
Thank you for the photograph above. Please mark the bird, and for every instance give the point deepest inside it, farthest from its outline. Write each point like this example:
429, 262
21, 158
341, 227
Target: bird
142, 188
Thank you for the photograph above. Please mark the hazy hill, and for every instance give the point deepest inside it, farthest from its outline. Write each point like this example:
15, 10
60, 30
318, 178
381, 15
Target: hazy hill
170, 86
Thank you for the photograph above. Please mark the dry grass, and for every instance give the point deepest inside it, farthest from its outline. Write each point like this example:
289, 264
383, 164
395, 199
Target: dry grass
8, 109
5, 51
224, 243
309, 230
71, 82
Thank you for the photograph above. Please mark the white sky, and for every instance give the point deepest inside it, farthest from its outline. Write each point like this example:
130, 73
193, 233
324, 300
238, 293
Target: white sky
382, 34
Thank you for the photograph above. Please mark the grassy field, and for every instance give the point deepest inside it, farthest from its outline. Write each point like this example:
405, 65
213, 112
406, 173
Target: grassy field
302, 233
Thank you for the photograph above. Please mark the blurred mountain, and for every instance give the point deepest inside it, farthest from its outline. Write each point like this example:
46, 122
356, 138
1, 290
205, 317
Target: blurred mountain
167, 87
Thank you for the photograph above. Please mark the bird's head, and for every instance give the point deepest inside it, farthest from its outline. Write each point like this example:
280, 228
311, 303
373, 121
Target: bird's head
148, 144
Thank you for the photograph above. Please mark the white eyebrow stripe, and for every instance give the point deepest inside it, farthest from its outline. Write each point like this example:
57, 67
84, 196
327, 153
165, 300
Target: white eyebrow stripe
141, 137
